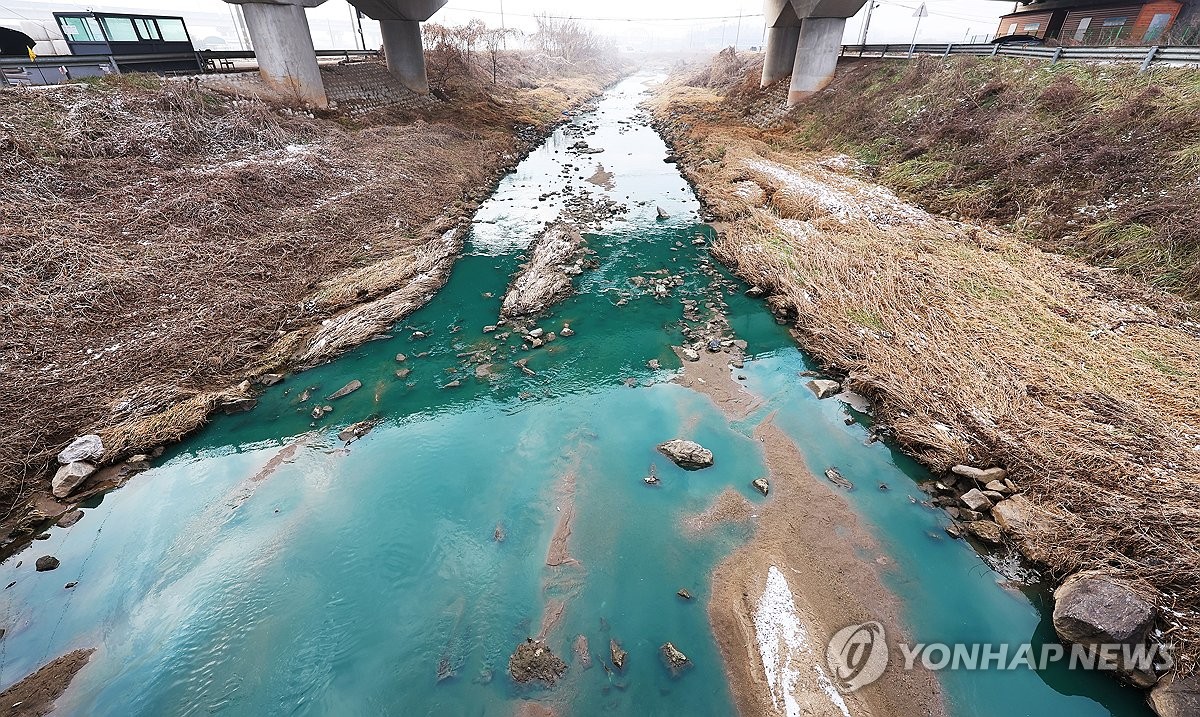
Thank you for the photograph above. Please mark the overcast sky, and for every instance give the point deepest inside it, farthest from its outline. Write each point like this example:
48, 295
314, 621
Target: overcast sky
662, 24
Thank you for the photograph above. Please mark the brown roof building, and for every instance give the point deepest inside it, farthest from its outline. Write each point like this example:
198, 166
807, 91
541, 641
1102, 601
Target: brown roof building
1073, 22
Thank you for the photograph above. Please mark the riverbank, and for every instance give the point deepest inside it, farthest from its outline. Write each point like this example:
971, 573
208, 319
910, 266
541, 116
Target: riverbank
171, 249
977, 347
811, 537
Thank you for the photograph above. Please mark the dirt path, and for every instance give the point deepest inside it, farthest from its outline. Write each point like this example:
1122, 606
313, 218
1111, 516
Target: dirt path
809, 536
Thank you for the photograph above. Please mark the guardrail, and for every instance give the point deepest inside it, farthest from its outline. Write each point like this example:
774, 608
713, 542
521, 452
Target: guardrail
48, 69
1147, 56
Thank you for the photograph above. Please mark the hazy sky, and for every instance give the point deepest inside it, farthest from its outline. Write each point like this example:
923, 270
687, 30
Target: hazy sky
663, 24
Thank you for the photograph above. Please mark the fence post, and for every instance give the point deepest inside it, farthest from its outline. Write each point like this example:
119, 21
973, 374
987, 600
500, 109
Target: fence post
884, 51
1149, 59
995, 49
1057, 54
949, 46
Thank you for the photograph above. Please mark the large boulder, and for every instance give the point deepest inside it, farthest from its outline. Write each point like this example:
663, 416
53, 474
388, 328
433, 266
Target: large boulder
84, 448
976, 500
687, 454
533, 660
1091, 608
69, 477
824, 388
982, 476
1176, 697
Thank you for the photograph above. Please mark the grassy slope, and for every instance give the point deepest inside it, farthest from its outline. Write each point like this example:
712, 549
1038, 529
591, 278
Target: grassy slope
1093, 161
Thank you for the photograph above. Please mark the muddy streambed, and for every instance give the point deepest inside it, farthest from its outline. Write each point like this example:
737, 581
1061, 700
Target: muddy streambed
265, 567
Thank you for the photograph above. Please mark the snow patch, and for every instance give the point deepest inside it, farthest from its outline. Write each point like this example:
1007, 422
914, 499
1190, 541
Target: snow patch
786, 650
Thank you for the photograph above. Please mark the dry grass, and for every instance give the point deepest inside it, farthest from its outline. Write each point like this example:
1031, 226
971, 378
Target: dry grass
981, 349
1093, 161
160, 243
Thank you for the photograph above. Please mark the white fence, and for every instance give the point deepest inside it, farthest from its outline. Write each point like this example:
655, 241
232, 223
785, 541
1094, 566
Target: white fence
1147, 56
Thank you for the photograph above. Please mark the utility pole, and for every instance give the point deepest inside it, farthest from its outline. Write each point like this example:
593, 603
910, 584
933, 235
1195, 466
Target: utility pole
737, 37
920, 13
503, 27
866, 26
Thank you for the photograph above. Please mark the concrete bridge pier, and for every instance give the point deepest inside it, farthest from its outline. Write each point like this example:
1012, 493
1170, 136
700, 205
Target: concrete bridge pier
783, 34
405, 53
284, 47
816, 56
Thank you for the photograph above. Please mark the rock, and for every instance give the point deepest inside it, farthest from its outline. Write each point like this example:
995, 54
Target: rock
690, 355
319, 412
953, 512
954, 531
618, 655
1017, 516
761, 485
1174, 696
652, 477
520, 363
403, 373
533, 660
835, 476
1092, 608
663, 214
270, 379
453, 384
345, 390
546, 278
687, 454
84, 448
70, 585
654, 364
567, 331
490, 328
987, 531
536, 333
69, 519
355, 431
683, 593
401, 358
993, 496
69, 477
997, 486
675, 660
46, 563
976, 500
969, 515
824, 388
714, 346
239, 405
982, 476
418, 335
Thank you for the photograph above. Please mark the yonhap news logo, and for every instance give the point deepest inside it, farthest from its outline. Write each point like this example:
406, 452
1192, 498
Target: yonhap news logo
858, 655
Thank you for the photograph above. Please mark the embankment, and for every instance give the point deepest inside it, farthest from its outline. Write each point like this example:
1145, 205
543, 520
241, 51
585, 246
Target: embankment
165, 246
978, 347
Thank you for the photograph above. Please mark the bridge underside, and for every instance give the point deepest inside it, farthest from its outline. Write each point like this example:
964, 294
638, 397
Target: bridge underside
803, 40
284, 47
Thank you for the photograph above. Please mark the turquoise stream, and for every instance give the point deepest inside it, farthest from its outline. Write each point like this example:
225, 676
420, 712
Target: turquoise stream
345, 581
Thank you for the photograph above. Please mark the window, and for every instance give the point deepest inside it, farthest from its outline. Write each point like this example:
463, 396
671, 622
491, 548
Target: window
1012, 29
1081, 31
1031, 28
80, 29
1115, 22
119, 29
172, 29
1158, 25
146, 28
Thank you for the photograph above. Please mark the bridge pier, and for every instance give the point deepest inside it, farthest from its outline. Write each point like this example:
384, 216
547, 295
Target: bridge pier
816, 56
405, 53
284, 47
783, 32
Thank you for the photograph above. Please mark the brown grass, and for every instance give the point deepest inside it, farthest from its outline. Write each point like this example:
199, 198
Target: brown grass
981, 349
1094, 161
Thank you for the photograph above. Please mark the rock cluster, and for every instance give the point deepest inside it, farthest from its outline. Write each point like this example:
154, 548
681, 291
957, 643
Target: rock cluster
555, 258
77, 462
533, 660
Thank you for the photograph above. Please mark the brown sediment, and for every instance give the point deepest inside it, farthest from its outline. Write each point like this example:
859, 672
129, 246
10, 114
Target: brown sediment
729, 507
601, 177
529, 708
285, 455
559, 551
34, 696
552, 616
816, 540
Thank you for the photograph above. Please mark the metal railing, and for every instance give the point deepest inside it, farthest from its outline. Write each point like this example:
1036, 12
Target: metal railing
1147, 56
47, 69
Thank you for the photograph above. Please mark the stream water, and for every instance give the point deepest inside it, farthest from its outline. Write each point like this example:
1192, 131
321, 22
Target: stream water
349, 579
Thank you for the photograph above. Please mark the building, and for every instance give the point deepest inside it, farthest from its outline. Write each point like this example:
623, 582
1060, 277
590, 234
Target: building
1074, 22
